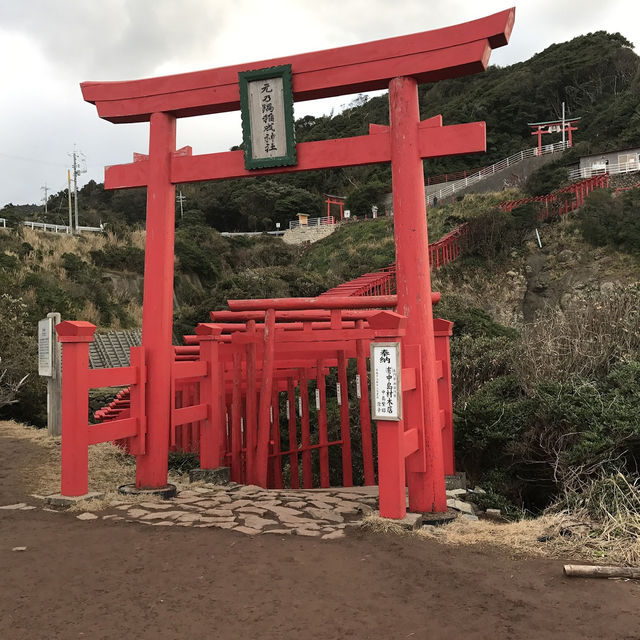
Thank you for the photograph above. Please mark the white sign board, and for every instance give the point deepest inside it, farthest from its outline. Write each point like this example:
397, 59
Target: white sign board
386, 396
45, 347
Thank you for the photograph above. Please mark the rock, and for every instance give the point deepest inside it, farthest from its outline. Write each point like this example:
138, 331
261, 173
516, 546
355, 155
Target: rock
283, 512
607, 287
512, 274
364, 509
222, 525
494, 514
566, 256
247, 530
297, 504
137, 513
454, 493
219, 513
19, 505
470, 517
346, 510
163, 515
163, 523
251, 509
255, 522
238, 503
325, 514
19, 549
479, 490
284, 532
334, 535
155, 505
88, 516
208, 504
307, 532
458, 505
188, 517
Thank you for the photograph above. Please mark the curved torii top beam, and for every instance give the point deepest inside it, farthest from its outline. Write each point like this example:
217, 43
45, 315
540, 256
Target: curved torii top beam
428, 56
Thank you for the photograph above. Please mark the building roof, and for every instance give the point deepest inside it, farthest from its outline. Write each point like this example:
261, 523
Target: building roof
111, 348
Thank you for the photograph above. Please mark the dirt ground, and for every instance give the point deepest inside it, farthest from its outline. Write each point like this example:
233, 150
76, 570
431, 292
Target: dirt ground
101, 579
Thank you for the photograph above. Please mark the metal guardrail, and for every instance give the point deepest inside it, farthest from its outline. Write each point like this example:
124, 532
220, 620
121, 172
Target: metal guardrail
45, 226
611, 169
99, 229
313, 222
451, 187
233, 234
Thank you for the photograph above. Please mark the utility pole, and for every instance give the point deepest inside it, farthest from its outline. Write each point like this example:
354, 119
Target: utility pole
46, 193
563, 126
76, 172
69, 193
180, 198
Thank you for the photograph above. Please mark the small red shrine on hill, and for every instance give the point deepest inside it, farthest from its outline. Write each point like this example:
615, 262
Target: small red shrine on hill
554, 126
403, 364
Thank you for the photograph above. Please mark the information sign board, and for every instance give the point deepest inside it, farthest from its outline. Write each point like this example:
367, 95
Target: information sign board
386, 396
45, 347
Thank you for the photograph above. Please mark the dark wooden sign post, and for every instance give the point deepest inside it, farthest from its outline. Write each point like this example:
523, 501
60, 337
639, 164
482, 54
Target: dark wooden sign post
398, 64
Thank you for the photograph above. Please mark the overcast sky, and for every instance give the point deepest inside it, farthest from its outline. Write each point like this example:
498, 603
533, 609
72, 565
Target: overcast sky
47, 47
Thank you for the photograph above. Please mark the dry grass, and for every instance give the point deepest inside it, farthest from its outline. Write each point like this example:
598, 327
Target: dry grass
138, 238
109, 468
551, 535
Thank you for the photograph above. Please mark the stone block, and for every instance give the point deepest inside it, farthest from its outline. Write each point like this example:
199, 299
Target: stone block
58, 500
459, 505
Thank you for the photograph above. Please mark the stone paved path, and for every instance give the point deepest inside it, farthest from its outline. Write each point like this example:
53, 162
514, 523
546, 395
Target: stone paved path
252, 510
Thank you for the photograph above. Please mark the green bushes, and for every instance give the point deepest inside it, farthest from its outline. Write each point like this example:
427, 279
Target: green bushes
614, 221
119, 258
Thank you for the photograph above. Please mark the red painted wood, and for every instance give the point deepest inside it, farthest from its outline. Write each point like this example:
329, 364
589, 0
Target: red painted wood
157, 317
293, 437
323, 438
362, 348
112, 430
75, 338
307, 478
236, 415
345, 426
413, 280
262, 452
281, 304
321, 154
111, 377
429, 56
391, 469
251, 406
275, 435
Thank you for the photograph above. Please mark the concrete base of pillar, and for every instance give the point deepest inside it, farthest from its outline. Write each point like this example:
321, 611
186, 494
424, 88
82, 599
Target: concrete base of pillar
219, 475
169, 491
411, 521
58, 500
437, 519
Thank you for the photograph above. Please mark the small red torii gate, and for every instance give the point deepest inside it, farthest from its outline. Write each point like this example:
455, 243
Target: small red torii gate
398, 64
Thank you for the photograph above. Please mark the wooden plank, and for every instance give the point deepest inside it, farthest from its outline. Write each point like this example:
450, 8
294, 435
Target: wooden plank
321, 154
190, 369
428, 56
185, 415
113, 430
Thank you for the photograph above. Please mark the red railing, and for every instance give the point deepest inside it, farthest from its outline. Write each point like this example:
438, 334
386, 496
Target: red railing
562, 201
622, 189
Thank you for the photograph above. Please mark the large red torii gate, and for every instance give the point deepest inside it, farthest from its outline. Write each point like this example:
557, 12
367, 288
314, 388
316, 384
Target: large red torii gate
398, 64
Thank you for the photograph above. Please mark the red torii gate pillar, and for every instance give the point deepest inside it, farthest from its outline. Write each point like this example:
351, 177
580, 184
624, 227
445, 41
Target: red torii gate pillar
413, 282
157, 314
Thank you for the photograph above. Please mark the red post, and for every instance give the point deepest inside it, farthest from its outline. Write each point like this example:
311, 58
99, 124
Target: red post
157, 315
426, 489
323, 439
307, 478
211, 432
251, 406
345, 427
262, 449
75, 338
236, 418
293, 437
365, 410
391, 469
275, 434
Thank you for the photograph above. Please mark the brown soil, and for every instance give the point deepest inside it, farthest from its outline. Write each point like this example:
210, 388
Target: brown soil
100, 579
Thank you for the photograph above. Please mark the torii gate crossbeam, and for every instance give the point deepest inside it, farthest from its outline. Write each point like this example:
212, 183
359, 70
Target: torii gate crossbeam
397, 63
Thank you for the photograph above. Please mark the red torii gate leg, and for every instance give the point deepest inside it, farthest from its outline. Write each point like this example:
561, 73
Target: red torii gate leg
157, 318
426, 487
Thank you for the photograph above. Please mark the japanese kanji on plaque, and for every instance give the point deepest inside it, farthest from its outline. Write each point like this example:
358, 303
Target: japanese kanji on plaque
386, 398
267, 117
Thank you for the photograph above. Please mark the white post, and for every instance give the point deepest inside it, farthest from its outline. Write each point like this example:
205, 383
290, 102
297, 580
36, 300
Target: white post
563, 127
50, 366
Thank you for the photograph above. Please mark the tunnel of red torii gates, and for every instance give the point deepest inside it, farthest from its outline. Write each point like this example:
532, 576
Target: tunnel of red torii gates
242, 385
